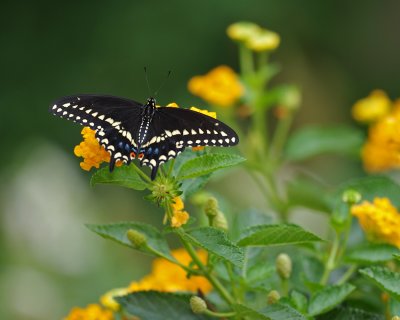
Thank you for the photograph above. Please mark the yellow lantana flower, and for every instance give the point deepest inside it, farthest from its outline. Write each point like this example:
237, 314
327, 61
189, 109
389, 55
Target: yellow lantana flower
265, 40
382, 150
372, 108
180, 216
220, 86
380, 220
242, 31
168, 277
91, 312
92, 152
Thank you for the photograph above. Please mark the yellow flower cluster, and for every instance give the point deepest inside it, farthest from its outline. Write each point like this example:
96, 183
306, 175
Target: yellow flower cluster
91, 312
92, 152
382, 149
380, 220
166, 277
253, 36
180, 216
220, 86
372, 108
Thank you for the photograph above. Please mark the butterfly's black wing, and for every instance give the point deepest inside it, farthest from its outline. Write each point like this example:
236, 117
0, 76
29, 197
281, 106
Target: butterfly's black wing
173, 129
115, 120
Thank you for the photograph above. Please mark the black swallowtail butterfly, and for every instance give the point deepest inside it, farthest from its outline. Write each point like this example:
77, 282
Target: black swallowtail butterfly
128, 129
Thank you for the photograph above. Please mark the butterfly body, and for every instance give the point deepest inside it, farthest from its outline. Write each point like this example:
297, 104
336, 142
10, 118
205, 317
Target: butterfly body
128, 129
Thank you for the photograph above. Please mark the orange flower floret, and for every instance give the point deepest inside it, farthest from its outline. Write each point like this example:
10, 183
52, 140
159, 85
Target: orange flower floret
92, 152
220, 86
91, 312
168, 277
180, 216
380, 220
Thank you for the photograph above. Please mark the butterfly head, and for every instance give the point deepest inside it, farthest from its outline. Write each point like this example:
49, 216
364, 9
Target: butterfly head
151, 102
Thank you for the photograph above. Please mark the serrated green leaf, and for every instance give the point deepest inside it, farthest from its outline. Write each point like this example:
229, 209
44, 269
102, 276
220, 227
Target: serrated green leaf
347, 313
276, 234
156, 305
372, 253
299, 301
315, 140
328, 298
117, 232
275, 311
387, 280
207, 164
124, 176
215, 241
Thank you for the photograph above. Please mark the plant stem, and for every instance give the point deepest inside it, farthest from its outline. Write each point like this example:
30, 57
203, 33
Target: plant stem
347, 274
280, 135
219, 314
245, 59
142, 174
330, 264
214, 281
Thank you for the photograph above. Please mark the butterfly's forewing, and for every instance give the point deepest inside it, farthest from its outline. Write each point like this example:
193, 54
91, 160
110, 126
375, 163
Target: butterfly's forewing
173, 129
114, 119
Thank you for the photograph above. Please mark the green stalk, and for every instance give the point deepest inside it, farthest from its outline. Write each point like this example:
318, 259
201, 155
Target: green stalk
280, 136
330, 264
142, 174
347, 274
219, 314
245, 60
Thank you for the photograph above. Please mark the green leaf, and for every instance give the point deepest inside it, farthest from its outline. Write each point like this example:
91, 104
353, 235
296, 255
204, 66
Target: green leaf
191, 186
299, 301
156, 305
328, 298
315, 140
276, 234
207, 164
387, 280
117, 232
259, 272
396, 256
124, 176
215, 241
372, 253
275, 311
350, 314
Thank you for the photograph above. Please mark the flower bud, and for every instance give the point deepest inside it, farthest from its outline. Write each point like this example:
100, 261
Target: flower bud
136, 238
273, 297
219, 221
283, 266
351, 197
198, 305
211, 208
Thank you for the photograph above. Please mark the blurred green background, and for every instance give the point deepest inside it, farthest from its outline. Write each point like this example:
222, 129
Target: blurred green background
335, 51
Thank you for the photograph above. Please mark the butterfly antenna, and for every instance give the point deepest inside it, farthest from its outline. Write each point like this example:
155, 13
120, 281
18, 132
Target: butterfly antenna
147, 80
162, 84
